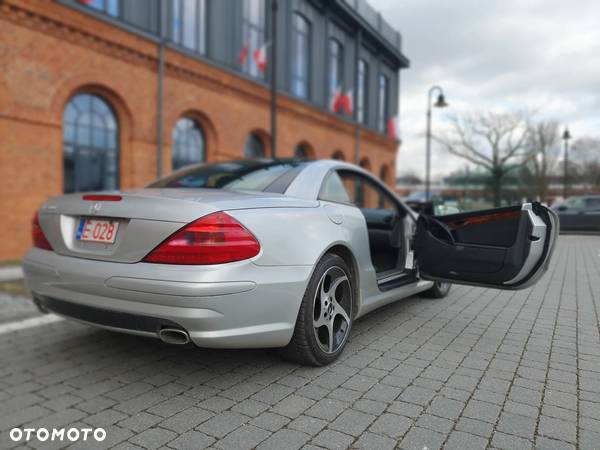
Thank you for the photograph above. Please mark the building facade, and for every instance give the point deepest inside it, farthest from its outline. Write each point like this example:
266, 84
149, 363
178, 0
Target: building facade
108, 94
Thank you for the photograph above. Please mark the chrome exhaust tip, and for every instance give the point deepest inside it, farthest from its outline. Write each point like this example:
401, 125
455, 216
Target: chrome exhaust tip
174, 336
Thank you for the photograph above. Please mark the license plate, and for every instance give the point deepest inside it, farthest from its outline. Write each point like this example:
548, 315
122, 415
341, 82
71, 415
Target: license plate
97, 230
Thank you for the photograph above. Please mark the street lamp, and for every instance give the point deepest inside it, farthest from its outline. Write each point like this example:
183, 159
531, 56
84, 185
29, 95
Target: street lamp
440, 103
566, 136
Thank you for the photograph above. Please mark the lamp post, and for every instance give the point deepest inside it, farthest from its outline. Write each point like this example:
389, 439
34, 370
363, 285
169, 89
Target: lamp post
440, 103
566, 136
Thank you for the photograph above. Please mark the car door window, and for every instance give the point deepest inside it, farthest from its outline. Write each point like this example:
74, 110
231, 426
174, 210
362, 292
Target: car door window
575, 203
364, 193
333, 190
592, 203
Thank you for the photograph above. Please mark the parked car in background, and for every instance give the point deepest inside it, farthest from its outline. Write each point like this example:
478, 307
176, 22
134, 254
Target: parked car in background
579, 213
436, 205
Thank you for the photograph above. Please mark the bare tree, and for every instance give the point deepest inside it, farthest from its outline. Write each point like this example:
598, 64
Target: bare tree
543, 146
494, 141
586, 155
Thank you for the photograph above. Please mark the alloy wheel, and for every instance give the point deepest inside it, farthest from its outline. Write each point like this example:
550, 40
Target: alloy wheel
332, 308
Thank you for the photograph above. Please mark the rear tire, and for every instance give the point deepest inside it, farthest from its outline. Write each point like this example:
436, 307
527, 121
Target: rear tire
325, 317
438, 290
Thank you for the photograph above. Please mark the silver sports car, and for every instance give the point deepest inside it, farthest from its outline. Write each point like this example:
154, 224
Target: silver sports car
267, 253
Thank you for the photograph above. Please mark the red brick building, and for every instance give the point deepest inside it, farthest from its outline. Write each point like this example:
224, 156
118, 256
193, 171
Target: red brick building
78, 76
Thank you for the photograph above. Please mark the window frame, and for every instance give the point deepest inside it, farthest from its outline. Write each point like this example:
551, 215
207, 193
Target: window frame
297, 33
248, 28
195, 126
383, 106
362, 92
110, 134
262, 146
364, 179
176, 35
335, 59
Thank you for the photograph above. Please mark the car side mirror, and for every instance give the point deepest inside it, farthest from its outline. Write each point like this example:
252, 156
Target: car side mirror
562, 208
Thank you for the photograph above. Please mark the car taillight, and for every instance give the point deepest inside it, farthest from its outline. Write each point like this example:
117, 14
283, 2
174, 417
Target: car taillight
214, 239
37, 234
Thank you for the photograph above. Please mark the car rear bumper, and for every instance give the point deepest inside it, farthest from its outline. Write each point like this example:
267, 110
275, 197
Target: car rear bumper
236, 305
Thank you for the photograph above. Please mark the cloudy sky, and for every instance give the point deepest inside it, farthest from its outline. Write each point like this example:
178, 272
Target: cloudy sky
496, 54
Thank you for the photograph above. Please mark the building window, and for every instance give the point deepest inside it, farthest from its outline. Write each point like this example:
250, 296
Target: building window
383, 107
253, 33
110, 7
362, 91
300, 56
336, 68
302, 152
338, 155
90, 145
254, 147
188, 143
188, 24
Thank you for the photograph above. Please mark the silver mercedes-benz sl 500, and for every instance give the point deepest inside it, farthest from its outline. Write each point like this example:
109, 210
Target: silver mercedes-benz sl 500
267, 253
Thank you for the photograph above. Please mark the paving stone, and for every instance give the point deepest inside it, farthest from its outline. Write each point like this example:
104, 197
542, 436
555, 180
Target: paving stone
288, 439
292, 406
391, 425
460, 440
327, 409
140, 421
333, 440
371, 441
508, 442
186, 419
192, 440
153, 438
420, 438
222, 424
557, 429
476, 427
308, 425
352, 422
516, 425
270, 421
245, 437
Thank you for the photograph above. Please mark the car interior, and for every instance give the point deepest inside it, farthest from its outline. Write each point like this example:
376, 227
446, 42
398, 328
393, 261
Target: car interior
384, 218
488, 247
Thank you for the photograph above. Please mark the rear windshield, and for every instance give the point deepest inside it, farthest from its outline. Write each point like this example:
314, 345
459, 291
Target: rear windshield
251, 175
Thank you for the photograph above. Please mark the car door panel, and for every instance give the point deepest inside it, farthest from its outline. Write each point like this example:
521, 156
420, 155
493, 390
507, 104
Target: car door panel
497, 248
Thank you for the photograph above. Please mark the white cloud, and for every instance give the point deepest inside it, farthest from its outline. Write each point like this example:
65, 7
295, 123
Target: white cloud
502, 54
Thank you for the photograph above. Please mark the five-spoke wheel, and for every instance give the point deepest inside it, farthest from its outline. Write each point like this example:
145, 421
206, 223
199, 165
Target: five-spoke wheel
326, 313
333, 300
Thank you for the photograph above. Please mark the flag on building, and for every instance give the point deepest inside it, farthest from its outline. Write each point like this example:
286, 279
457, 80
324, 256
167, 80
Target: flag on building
244, 54
260, 57
347, 103
392, 127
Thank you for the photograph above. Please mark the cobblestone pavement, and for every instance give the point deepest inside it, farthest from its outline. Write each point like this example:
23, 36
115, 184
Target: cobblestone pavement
480, 369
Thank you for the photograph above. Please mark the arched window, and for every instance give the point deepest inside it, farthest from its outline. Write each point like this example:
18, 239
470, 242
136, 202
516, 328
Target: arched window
302, 152
336, 68
188, 143
300, 56
339, 155
90, 145
384, 174
254, 147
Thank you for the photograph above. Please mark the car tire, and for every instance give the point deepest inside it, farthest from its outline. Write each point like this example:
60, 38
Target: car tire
326, 314
438, 290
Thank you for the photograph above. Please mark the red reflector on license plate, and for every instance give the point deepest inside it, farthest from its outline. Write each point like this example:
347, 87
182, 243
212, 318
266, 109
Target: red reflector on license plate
97, 230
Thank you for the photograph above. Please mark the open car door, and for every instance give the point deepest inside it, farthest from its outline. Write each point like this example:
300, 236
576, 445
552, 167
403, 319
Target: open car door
504, 248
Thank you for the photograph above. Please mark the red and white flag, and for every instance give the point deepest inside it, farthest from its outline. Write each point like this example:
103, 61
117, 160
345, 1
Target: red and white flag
347, 103
260, 57
392, 127
244, 54
335, 103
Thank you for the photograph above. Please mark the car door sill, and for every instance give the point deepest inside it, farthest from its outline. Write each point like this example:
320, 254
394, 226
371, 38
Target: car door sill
395, 280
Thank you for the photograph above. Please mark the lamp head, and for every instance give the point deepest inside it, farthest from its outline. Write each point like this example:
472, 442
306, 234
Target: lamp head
441, 102
566, 135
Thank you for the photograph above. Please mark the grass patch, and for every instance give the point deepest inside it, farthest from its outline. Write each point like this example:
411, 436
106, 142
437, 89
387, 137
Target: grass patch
15, 288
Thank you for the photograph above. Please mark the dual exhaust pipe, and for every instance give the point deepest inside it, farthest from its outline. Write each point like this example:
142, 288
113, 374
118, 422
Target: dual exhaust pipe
174, 336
